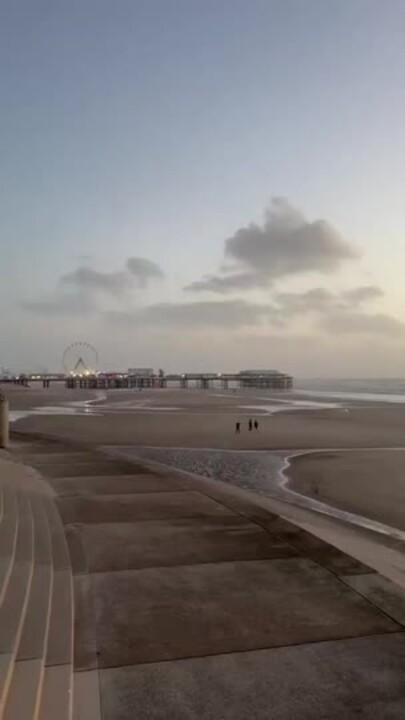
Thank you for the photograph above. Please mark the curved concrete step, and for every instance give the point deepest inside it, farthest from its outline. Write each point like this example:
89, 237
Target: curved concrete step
1, 503
13, 610
57, 692
60, 550
8, 537
26, 684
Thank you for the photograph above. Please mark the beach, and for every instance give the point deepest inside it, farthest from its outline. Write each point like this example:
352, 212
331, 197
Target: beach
360, 470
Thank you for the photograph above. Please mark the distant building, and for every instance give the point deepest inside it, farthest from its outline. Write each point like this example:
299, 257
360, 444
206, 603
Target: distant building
141, 372
269, 379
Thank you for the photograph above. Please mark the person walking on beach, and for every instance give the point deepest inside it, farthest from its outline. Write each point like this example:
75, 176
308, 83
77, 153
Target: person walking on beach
250, 426
256, 425
237, 427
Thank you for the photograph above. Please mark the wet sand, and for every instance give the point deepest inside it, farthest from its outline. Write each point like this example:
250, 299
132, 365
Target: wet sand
25, 398
214, 427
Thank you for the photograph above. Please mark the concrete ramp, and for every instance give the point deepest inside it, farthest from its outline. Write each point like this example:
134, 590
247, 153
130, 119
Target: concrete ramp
133, 592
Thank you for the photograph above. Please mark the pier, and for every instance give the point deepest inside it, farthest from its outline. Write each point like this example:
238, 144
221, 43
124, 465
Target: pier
259, 379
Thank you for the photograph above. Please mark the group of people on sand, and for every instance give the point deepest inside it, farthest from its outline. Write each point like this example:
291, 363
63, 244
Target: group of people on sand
251, 424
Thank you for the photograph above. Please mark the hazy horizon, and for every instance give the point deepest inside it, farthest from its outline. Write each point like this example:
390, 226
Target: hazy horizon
204, 186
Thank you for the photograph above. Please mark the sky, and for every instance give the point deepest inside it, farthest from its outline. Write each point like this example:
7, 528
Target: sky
203, 185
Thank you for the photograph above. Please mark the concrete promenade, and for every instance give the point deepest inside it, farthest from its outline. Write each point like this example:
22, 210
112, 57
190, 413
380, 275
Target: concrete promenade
191, 602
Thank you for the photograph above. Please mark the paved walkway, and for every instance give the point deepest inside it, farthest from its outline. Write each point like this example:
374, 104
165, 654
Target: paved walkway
193, 603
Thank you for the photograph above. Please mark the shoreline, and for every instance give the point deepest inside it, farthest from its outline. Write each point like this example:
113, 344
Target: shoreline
267, 478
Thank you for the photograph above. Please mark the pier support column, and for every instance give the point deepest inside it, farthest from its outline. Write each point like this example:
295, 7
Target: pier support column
4, 422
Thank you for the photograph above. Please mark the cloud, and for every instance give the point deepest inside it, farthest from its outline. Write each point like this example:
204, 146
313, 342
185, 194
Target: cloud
62, 303
228, 314
85, 278
362, 323
315, 300
144, 270
86, 289
340, 312
226, 283
286, 243
363, 294
138, 271
321, 300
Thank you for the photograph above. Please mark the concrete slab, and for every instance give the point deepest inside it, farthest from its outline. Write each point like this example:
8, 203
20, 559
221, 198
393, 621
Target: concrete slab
114, 485
313, 547
130, 508
383, 593
227, 495
32, 642
76, 550
85, 650
60, 552
74, 469
60, 638
168, 613
43, 548
42, 447
8, 523
330, 681
42, 459
25, 537
6, 667
181, 541
13, 606
338, 562
86, 696
8, 537
18, 586
57, 700
24, 690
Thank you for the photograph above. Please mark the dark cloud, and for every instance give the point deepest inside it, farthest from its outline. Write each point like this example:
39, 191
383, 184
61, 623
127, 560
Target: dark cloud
285, 244
222, 314
144, 270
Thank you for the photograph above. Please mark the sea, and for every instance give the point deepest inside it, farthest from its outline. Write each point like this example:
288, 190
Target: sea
366, 389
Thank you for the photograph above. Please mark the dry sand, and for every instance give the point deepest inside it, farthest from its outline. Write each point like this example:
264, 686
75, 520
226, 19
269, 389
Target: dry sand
368, 483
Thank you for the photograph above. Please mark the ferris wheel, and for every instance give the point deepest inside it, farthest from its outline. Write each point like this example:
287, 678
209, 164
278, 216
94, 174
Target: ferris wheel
80, 358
